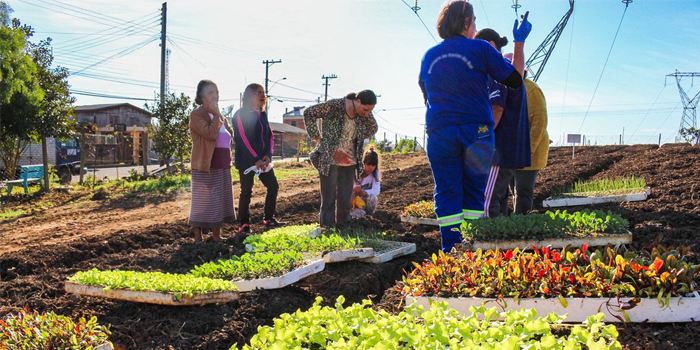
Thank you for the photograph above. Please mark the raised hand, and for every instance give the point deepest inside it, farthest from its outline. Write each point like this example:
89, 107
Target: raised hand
521, 32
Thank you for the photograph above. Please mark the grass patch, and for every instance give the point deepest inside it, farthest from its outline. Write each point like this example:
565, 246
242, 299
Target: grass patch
11, 214
285, 171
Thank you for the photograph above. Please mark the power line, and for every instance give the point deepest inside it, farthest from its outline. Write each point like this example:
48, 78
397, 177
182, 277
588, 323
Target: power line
121, 53
85, 34
95, 94
415, 10
401, 108
382, 118
295, 88
645, 115
485, 14
212, 46
142, 19
185, 51
134, 29
605, 64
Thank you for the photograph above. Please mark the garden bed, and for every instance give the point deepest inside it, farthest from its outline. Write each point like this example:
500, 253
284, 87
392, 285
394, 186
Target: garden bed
677, 309
575, 201
359, 326
28, 277
656, 285
150, 297
283, 280
390, 251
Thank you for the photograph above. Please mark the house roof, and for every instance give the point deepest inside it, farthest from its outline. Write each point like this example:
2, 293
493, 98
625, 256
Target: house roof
286, 128
99, 107
296, 112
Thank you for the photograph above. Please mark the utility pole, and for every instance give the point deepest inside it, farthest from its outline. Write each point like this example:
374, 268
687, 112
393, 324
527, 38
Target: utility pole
267, 64
163, 58
332, 76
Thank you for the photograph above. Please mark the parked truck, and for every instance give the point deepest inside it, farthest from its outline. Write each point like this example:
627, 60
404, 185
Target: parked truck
64, 157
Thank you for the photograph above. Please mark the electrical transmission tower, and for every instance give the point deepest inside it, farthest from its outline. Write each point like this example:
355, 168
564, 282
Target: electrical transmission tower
535, 64
689, 121
332, 76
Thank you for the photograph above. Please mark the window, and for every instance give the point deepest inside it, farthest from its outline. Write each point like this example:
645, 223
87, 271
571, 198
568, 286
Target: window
293, 123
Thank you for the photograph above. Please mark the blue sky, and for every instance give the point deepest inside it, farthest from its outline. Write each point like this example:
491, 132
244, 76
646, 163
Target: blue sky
378, 44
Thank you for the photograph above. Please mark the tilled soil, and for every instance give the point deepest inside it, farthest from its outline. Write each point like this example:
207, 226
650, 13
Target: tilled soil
34, 276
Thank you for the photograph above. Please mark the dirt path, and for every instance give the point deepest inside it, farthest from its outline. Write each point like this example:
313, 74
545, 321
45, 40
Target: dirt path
84, 219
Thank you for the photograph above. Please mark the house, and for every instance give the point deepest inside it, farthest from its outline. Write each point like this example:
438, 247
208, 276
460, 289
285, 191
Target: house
295, 117
117, 131
287, 139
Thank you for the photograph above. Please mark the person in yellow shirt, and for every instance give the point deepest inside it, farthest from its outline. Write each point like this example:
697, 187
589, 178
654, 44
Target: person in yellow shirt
525, 178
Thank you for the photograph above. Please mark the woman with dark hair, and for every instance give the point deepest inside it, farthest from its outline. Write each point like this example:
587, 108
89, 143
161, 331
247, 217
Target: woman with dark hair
254, 147
347, 122
459, 120
511, 134
212, 194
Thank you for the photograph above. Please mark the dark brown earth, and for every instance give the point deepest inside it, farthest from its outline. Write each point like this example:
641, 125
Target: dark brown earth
150, 234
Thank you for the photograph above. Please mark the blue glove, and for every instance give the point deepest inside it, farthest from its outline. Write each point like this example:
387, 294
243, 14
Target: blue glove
520, 33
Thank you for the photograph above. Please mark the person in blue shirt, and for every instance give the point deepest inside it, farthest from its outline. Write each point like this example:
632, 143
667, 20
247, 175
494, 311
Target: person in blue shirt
512, 134
453, 77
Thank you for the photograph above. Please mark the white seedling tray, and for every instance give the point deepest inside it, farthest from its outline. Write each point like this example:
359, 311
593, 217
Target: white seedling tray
421, 221
603, 240
345, 255
105, 346
158, 298
685, 309
315, 232
574, 201
402, 248
281, 281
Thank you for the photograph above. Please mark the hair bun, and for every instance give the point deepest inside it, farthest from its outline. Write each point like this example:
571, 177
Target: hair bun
503, 41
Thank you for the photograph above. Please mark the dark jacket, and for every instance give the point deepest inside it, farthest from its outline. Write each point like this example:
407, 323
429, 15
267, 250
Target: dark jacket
333, 114
252, 137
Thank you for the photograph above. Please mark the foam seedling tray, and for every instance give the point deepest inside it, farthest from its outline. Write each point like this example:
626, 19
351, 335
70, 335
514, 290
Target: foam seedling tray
557, 242
346, 255
283, 280
575, 201
395, 249
679, 309
421, 221
150, 297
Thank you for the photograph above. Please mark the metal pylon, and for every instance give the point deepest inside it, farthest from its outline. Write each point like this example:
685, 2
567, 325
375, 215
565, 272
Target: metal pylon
689, 119
540, 56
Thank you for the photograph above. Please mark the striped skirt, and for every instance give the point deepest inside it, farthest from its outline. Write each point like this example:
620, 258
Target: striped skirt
212, 199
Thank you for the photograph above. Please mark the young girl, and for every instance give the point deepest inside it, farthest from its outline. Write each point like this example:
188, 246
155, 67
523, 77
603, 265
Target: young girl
254, 143
367, 187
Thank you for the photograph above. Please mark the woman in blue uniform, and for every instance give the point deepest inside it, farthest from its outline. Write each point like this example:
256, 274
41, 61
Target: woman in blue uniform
459, 121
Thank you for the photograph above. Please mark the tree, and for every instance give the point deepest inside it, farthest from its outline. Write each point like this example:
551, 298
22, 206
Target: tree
14, 135
171, 133
55, 118
691, 135
19, 90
